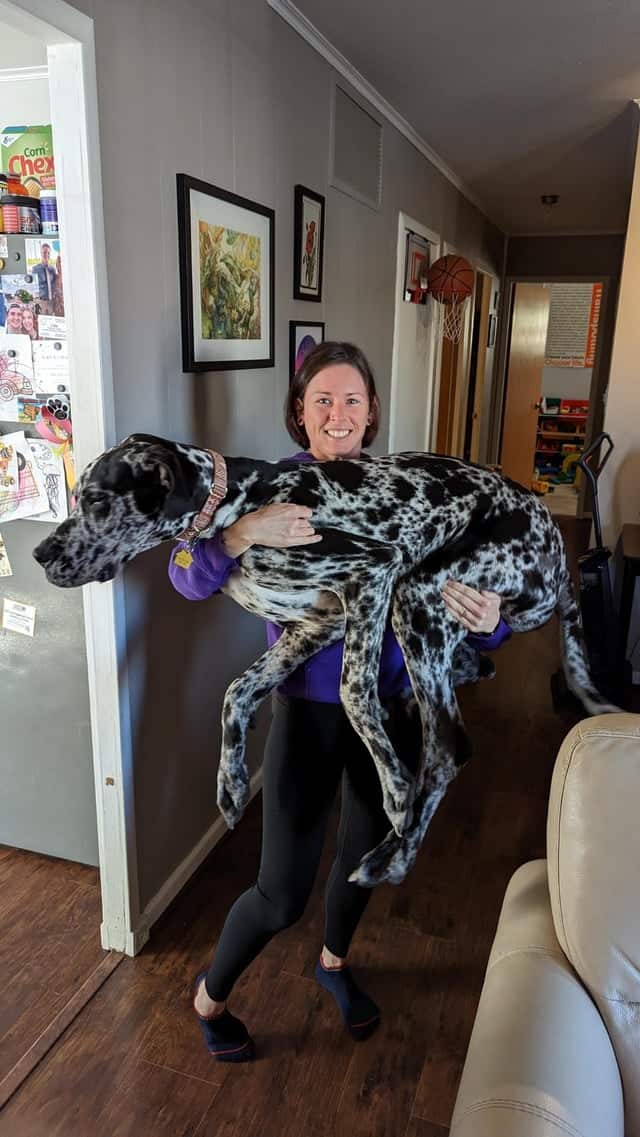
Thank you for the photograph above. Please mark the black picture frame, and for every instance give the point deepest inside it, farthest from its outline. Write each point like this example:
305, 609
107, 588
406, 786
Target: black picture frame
296, 327
216, 212
308, 206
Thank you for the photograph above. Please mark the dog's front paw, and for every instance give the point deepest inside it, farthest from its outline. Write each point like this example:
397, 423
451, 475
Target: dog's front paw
233, 794
374, 867
400, 814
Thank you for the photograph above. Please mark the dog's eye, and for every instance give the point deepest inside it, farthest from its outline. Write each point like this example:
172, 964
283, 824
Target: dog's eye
96, 504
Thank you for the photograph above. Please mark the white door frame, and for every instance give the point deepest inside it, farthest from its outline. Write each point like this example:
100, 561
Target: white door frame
68, 36
500, 381
406, 222
464, 354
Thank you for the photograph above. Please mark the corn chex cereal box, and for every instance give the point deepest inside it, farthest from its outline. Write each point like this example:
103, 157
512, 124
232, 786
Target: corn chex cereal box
28, 152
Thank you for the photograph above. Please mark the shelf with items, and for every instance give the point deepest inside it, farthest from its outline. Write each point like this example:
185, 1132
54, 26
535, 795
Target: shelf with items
35, 400
560, 438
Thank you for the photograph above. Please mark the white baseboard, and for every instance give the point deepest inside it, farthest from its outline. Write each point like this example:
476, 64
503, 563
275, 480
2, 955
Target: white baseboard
160, 902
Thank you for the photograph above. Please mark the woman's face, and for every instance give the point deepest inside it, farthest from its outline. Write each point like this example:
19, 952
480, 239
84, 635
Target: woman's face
335, 412
28, 322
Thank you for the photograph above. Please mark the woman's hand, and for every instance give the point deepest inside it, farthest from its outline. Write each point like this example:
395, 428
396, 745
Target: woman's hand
478, 612
279, 526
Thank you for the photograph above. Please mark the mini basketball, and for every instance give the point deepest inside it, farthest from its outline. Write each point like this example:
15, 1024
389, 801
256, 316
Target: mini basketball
451, 278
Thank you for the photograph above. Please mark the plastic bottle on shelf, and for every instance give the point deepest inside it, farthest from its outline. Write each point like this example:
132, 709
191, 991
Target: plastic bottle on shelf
49, 212
3, 193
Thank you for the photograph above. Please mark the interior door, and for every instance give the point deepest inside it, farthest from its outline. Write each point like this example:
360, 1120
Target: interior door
479, 367
446, 402
529, 321
413, 358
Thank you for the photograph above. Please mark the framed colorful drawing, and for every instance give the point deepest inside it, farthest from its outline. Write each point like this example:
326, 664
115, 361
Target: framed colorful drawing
226, 250
303, 337
308, 244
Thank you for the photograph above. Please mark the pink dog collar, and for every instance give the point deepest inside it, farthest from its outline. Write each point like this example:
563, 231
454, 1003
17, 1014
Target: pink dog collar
217, 493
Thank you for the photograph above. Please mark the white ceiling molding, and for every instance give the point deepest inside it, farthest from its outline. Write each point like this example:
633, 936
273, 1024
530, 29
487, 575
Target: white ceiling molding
18, 74
310, 33
569, 233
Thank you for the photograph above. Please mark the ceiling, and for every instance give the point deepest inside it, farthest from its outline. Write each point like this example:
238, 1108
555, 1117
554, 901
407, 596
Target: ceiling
519, 99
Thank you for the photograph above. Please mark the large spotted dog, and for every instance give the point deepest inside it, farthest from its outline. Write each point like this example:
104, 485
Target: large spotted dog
394, 530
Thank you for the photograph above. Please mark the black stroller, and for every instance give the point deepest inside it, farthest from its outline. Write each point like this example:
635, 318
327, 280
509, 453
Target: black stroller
599, 617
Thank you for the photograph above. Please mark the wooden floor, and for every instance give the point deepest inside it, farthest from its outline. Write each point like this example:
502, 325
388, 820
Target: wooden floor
49, 945
132, 1063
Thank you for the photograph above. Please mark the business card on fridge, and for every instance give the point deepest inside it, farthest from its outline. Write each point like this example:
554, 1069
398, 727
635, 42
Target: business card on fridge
18, 617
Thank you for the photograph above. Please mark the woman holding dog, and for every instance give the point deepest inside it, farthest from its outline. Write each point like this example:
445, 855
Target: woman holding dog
332, 411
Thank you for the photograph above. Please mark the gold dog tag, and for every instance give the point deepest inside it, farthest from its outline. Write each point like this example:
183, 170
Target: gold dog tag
183, 559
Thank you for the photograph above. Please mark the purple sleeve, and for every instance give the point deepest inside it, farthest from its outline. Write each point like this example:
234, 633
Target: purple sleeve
490, 643
207, 572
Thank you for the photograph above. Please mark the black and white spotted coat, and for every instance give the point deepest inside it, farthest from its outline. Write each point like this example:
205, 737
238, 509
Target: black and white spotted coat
394, 530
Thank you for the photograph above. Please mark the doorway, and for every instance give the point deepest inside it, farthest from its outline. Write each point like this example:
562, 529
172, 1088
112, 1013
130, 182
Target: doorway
67, 858
553, 394
414, 345
466, 371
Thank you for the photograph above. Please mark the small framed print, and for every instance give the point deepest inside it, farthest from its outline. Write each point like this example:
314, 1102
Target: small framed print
303, 337
416, 268
226, 249
308, 244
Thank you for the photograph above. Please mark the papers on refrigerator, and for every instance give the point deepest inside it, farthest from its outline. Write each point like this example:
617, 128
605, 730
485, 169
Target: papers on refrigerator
50, 365
23, 493
51, 466
5, 565
16, 374
18, 617
52, 327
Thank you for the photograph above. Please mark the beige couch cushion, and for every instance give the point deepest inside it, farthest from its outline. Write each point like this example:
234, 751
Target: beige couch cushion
593, 848
540, 1063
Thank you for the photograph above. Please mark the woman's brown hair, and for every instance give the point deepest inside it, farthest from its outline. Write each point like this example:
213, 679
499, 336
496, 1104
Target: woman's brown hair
325, 355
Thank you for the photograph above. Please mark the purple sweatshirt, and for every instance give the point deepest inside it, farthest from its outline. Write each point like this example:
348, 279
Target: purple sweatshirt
319, 678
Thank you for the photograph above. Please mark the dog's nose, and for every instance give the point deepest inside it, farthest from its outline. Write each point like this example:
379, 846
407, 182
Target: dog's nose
45, 552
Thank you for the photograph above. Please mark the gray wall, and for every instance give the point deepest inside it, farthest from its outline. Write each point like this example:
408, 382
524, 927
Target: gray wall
229, 93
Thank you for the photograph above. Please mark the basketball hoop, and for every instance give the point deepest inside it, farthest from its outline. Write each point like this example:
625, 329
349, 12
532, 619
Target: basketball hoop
451, 284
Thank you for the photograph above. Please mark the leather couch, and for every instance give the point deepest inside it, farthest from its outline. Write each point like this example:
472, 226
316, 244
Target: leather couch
555, 1048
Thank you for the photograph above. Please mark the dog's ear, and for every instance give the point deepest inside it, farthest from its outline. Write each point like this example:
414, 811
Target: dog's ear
152, 488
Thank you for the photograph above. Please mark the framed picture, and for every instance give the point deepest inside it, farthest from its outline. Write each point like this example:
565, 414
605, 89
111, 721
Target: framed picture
226, 249
303, 337
416, 267
308, 244
491, 331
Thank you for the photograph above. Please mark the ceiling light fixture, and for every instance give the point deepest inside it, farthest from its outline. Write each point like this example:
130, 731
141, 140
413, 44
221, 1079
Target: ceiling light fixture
549, 199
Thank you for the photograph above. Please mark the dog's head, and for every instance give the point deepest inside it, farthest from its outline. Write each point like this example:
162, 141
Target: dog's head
134, 496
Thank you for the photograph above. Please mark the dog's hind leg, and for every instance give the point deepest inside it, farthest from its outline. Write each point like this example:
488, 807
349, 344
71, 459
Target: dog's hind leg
367, 600
428, 637
296, 644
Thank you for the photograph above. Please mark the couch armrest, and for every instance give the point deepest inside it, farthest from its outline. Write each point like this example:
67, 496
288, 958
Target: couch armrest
540, 1062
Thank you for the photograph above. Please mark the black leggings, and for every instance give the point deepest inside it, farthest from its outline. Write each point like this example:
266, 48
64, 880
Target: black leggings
311, 746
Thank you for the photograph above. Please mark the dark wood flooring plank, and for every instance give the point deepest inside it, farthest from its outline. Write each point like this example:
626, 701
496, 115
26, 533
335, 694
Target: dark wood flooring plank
76, 1080
408, 976
296, 1085
60, 1015
419, 1128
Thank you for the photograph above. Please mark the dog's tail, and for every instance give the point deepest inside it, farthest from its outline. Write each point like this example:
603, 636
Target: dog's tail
574, 656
